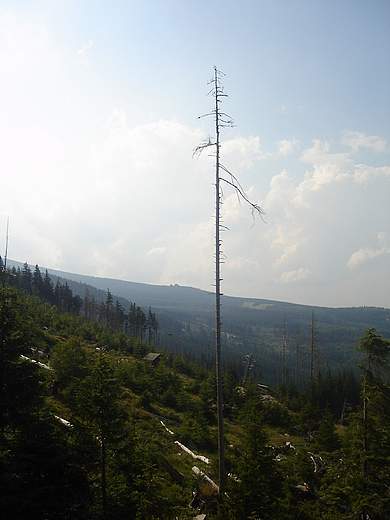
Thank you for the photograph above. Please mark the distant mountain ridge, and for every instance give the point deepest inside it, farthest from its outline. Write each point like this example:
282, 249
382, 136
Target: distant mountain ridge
175, 295
186, 317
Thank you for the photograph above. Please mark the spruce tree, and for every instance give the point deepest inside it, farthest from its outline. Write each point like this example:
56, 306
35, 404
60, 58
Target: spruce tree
326, 438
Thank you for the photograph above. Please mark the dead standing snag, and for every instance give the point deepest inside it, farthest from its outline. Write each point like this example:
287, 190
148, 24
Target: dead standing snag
221, 120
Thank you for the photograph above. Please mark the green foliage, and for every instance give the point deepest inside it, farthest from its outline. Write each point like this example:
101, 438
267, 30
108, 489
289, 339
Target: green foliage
362, 482
373, 428
68, 361
325, 392
303, 467
195, 428
376, 351
326, 438
146, 399
41, 477
253, 492
19, 383
106, 462
276, 415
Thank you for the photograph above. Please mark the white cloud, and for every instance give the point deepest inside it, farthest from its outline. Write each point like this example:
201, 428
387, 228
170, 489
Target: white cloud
288, 251
85, 47
365, 254
24, 47
287, 146
364, 173
313, 221
18, 36
328, 168
140, 208
117, 119
319, 154
98, 177
157, 251
66, 100
294, 276
28, 150
281, 192
241, 152
357, 140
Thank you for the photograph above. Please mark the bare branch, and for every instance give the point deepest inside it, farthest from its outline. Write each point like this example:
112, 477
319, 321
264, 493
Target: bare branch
206, 115
199, 149
255, 208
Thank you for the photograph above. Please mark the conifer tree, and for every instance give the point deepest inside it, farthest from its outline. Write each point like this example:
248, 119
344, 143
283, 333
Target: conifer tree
376, 421
326, 438
363, 479
253, 491
109, 306
26, 279
97, 399
47, 289
19, 386
37, 282
87, 306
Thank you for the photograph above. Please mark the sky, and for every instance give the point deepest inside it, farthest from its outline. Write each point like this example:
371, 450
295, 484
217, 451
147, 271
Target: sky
99, 117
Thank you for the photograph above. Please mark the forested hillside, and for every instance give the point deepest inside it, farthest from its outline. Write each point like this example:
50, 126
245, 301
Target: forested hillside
186, 324
91, 429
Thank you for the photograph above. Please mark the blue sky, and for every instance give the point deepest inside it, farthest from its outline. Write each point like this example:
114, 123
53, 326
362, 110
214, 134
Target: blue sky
98, 120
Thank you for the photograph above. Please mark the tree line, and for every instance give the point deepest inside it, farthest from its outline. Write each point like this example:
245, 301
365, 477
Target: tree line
81, 434
136, 322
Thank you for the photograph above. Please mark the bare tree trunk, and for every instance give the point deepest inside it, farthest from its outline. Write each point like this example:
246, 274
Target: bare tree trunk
312, 347
103, 461
297, 360
221, 120
284, 347
365, 441
222, 477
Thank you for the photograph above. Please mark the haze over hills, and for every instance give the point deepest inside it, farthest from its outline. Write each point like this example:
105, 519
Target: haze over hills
250, 325
176, 295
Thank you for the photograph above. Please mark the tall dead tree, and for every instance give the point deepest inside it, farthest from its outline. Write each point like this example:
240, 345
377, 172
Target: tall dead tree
284, 349
297, 359
2, 337
249, 365
314, 348
221, 120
